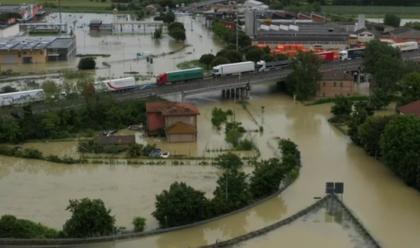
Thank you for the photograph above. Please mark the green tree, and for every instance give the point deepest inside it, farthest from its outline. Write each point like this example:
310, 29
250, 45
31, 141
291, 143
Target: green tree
361, 112
290, 154
157, 34
254, 54
168, 17
180, 205
385, 64
370, 133
135, 150
400, 145
379, 98
392, 20
231, 54
303, 81
218, 116
10, 131
177, 31
341, 109
51, 89
266, 177
229, 161
219, 60
206, 59
232, 192
410, 88
12, 227
139, 223
234, 133
87, 63
90, 218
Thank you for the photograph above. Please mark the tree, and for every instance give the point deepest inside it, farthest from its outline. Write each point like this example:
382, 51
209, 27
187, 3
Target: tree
219, 60
139, 224
233, 133
303, 81
400, 146
8, 88
157, 34
290, 154
342, 108
385, 64
218, 116
379, 98
266, 177
206, 59
229, 161
254, 53
232, 192
410, 88
361, 112
370, 133
89, 218
177, 31
231, 54
135, 150
12, 227
87, 63
85, 87
10, 131
392, 20
168, 17
51, 89
180, 205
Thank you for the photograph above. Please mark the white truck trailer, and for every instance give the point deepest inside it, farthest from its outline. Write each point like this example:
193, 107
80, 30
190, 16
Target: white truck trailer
233, 68
21, 97
117, 84
406, 46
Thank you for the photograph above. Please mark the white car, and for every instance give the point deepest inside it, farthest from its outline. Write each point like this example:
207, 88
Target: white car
165, 154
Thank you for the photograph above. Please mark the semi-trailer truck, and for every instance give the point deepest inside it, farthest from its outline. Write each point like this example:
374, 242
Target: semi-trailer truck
233, 68
180, 76
117, 84
406, 46
21, 97
352, 53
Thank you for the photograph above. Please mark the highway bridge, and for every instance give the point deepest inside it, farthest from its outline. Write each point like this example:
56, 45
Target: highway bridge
210, 84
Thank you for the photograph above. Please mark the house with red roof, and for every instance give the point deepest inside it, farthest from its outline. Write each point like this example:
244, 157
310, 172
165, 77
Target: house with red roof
413, 108
177, 121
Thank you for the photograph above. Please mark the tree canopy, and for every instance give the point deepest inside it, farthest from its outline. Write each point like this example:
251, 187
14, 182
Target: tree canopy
392, 20
410, 88
400, 145
180, 205
12, 227
303, 81
90, 218
87, 63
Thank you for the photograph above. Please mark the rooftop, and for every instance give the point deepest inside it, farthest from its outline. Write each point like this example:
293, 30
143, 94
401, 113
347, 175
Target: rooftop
411, 108
116, 140
27, 43
172, 108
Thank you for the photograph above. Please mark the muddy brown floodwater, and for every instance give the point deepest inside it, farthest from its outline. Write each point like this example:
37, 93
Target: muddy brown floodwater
389, 209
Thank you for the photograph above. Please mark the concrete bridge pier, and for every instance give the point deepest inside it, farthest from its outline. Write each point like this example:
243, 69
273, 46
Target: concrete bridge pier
238, 93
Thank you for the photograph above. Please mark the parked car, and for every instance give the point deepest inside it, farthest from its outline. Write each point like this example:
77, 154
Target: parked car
155, 153
165, 155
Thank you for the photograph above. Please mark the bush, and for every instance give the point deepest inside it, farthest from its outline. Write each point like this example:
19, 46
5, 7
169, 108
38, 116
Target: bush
206, 59
12, 227
139, 223
245, 145
87, 63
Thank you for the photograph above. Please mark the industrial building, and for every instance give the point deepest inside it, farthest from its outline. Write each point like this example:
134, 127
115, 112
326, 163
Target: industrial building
279, 27
178, 121
26, 11
34, 50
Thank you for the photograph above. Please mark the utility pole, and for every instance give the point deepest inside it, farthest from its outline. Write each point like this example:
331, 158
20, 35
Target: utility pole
237, 31
59, 13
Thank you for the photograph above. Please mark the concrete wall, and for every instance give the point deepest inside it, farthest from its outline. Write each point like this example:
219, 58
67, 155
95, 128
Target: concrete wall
180, 138
335, 88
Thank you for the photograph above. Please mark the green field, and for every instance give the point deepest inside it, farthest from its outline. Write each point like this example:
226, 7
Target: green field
372, 11
68, 5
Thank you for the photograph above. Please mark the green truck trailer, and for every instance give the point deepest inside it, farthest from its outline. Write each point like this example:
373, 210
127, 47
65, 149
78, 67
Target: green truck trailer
180, 76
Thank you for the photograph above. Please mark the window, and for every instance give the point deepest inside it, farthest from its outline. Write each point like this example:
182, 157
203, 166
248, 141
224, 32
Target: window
335, 84
341, 84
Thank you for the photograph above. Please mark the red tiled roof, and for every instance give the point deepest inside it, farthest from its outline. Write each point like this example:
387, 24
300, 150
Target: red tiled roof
171, 108
181, 128
411, 108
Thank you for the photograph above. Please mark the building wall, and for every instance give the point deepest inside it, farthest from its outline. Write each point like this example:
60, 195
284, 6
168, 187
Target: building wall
335, 88
23, 56
178, 138
155, 122
170, 120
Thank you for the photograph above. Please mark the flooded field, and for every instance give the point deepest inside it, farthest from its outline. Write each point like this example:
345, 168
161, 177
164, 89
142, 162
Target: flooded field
123, 47
389, 209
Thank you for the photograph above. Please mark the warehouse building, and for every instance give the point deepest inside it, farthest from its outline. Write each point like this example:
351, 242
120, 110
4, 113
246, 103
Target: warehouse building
35, 50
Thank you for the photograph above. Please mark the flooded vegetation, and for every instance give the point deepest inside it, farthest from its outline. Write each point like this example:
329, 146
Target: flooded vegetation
371, 190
